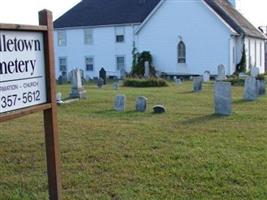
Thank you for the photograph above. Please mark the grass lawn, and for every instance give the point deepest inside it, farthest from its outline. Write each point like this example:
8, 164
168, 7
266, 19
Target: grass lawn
185, 153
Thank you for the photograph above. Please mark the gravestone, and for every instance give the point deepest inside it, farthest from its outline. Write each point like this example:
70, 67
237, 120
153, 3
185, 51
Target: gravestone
177, 80
147, 73
115, 86
206, 76
120, 103
100, 83
77, 89
197, 83
221, 73
250, 90
261, 87
141, 104
59, 98
103, 75
255, 71
223, 98
159, 109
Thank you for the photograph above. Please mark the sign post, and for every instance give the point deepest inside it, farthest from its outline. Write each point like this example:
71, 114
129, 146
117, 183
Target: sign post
27, 84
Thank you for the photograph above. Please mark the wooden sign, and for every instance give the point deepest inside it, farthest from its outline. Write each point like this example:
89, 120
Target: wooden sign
27, 84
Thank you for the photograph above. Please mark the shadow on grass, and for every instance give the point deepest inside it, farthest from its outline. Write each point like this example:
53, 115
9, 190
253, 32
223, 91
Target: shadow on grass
187, 92
240, 101
203, 119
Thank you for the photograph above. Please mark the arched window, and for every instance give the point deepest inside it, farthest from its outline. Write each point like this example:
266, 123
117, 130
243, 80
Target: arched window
181, 52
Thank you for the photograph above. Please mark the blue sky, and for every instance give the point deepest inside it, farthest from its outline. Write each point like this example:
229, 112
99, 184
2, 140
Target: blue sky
26, 11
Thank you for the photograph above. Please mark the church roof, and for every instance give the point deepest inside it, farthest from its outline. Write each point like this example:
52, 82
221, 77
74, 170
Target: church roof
234, 18
111, 12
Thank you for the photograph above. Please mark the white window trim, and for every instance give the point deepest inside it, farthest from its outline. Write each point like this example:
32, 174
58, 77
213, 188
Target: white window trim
63, 57
85, 34
115, 33
116, 63
64, 34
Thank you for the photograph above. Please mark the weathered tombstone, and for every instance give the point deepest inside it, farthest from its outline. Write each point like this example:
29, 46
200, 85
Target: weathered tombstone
120, 103
206, 76
59, 98
255, 71
159, 109
115, 85
250, 90
100, 83
177, 80
260, 87
221, 73
77, 89
141, 104
147, 72
197, 83
223, 98
103, 75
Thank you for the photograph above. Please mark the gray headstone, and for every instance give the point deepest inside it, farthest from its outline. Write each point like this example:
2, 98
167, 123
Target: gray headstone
250, 90
115, 86
206, 76
197, 83
255, 71
221, 73
141, 104
159, 109
177, 80
261, 87
223, 98
120, 103
100, 83
146, 75
77, 89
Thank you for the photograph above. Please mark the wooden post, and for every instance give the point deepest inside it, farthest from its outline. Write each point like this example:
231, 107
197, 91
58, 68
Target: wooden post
50, 115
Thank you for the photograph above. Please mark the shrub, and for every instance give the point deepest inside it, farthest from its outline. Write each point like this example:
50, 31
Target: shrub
139, 59
236, 81
153, 82
260, 77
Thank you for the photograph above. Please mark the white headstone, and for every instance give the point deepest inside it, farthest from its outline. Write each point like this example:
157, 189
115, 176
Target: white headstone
59, 98
221, 73
206, 76
77, 89
255, 71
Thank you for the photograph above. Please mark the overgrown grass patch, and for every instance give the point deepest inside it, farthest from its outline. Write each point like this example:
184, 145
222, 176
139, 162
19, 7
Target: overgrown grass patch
185, 153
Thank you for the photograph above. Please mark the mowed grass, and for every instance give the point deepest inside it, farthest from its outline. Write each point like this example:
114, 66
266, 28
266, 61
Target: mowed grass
185, 153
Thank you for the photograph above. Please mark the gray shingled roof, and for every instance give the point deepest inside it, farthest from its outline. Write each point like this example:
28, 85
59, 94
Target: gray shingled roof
234, 18
110, 12
106, 12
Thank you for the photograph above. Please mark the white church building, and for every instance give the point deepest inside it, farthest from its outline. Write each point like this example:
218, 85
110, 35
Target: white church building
185, 37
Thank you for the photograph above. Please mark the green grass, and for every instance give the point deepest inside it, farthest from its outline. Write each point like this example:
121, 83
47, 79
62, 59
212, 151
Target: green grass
185, 153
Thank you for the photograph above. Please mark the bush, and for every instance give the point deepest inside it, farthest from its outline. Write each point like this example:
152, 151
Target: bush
153, 82
236, 81
260, 77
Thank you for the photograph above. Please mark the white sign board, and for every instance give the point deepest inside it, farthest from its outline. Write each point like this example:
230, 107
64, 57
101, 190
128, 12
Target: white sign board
22, 70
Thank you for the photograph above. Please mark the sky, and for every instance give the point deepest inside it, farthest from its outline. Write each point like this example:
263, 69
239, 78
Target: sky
26, 11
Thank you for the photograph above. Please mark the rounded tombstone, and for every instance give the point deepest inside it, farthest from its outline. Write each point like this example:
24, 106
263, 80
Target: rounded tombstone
159, 109
141, 104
